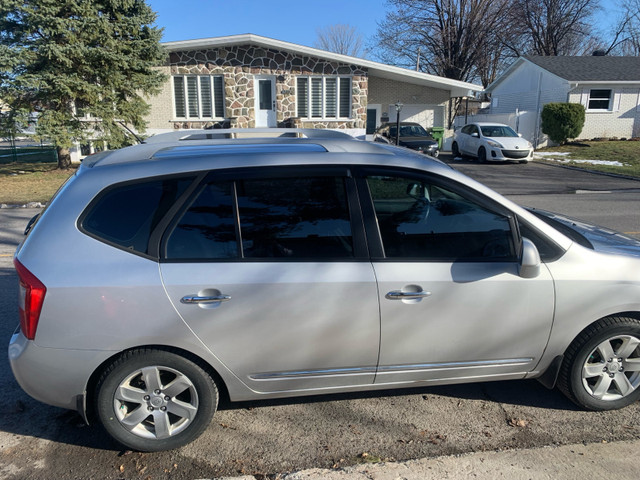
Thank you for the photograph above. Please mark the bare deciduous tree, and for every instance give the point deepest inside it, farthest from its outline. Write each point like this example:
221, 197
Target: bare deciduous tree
454, 38
339, 38
550, 27
625, 35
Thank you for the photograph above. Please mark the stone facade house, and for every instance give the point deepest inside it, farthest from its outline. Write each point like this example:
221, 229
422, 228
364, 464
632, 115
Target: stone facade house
249, 81
608, 87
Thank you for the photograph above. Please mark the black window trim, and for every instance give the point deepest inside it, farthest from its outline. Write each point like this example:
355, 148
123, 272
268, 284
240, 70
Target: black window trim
151, 246
360, 249
371, 224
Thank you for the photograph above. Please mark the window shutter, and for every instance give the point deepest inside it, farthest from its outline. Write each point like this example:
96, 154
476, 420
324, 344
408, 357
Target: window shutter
316, 97
218, 96
616, 101
178, 95
584, 98
345, 97
638, 102
205, 97
192, 96
303, 97
331, 97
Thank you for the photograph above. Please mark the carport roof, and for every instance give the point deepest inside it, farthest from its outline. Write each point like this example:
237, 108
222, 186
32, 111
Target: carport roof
455, 87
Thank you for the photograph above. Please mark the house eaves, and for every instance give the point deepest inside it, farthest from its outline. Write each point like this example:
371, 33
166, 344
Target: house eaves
456, 88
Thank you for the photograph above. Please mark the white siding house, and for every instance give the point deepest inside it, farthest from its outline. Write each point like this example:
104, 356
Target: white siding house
608, 87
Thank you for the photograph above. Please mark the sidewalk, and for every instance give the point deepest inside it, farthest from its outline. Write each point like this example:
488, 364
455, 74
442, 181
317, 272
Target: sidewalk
617, 460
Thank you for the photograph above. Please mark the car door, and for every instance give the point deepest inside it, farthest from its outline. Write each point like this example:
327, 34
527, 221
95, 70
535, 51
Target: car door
452, 303
472, 141
463, 139
269, 269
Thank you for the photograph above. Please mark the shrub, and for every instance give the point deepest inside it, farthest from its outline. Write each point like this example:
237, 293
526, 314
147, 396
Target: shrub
562, 121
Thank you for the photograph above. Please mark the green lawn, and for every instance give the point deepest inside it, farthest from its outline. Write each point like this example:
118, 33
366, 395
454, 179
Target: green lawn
626, 153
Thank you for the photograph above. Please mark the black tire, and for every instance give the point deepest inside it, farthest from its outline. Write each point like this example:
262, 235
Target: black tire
178, 397
482, 155
455, 151
601, 353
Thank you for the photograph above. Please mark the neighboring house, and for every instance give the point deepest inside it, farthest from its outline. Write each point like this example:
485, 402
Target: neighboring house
608, 87
249, 81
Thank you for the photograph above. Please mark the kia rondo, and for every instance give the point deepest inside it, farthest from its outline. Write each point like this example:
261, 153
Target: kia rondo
278, 263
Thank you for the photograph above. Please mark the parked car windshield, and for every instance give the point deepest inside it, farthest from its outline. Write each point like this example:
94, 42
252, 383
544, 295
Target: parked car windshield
409, 131
497, 131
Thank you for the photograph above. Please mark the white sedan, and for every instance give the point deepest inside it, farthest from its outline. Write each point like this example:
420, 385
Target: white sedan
491, 141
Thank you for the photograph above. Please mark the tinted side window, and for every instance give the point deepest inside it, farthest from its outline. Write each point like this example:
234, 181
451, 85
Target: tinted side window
126, 215
424, 221
207, 229
279, 218
295, 218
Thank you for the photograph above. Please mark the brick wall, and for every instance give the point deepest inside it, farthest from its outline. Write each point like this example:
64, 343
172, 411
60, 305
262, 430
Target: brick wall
623, 122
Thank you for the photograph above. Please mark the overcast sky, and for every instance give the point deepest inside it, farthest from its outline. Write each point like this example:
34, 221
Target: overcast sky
293, 21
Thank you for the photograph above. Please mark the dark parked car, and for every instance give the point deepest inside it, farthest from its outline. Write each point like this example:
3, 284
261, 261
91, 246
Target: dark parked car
412, 135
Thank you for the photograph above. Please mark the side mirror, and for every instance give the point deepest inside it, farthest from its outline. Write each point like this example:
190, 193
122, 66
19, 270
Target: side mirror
530, 260
475, 135
520, 135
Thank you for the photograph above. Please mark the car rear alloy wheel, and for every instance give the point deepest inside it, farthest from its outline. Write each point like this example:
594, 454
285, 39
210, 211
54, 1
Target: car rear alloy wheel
151, 400
602, 366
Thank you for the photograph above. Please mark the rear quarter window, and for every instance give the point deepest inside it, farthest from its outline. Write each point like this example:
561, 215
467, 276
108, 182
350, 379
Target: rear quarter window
125, 215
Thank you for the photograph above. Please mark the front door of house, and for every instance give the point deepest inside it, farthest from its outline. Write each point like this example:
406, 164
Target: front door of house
265, 104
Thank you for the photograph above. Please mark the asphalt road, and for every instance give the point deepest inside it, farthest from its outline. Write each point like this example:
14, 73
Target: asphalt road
265, 438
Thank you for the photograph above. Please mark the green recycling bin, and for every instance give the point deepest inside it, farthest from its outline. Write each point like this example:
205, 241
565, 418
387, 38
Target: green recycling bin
438, 135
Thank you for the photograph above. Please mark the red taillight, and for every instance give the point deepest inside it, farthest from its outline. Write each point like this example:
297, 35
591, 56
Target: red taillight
32, 292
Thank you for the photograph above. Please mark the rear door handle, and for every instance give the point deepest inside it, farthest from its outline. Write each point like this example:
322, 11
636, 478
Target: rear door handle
400, 295
189, 299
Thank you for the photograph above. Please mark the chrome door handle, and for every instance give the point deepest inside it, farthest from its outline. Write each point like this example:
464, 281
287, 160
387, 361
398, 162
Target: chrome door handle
400, 295
189, 299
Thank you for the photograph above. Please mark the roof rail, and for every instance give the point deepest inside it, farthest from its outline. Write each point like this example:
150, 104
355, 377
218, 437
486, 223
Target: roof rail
221, 134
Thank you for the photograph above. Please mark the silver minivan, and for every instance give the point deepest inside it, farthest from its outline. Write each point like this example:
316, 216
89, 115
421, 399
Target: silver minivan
261, 264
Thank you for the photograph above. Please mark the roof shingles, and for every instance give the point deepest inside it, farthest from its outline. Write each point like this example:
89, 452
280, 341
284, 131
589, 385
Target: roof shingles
591, 68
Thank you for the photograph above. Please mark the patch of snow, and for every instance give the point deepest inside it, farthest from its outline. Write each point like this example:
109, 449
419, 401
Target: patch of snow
550, 155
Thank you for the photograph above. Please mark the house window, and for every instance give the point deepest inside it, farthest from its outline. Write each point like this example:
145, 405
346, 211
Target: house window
198, 96
599, 99
324, 97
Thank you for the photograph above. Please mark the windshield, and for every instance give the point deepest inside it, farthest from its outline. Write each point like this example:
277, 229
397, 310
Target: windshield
497, 131
409, 131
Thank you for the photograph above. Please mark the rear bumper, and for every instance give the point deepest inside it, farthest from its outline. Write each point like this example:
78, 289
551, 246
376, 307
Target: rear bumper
53, 376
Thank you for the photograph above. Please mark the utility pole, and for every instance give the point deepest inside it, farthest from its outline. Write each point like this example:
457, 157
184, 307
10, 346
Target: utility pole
418, 61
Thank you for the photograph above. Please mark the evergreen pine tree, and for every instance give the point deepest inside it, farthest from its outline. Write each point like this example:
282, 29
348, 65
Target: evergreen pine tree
83, 66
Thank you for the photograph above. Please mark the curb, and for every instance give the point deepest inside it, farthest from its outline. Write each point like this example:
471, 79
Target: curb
598, 460
580, 169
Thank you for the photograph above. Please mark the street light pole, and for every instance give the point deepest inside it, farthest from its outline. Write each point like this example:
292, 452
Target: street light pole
398, 109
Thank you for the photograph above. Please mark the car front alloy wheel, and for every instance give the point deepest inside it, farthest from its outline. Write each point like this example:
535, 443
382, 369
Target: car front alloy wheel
601, 370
